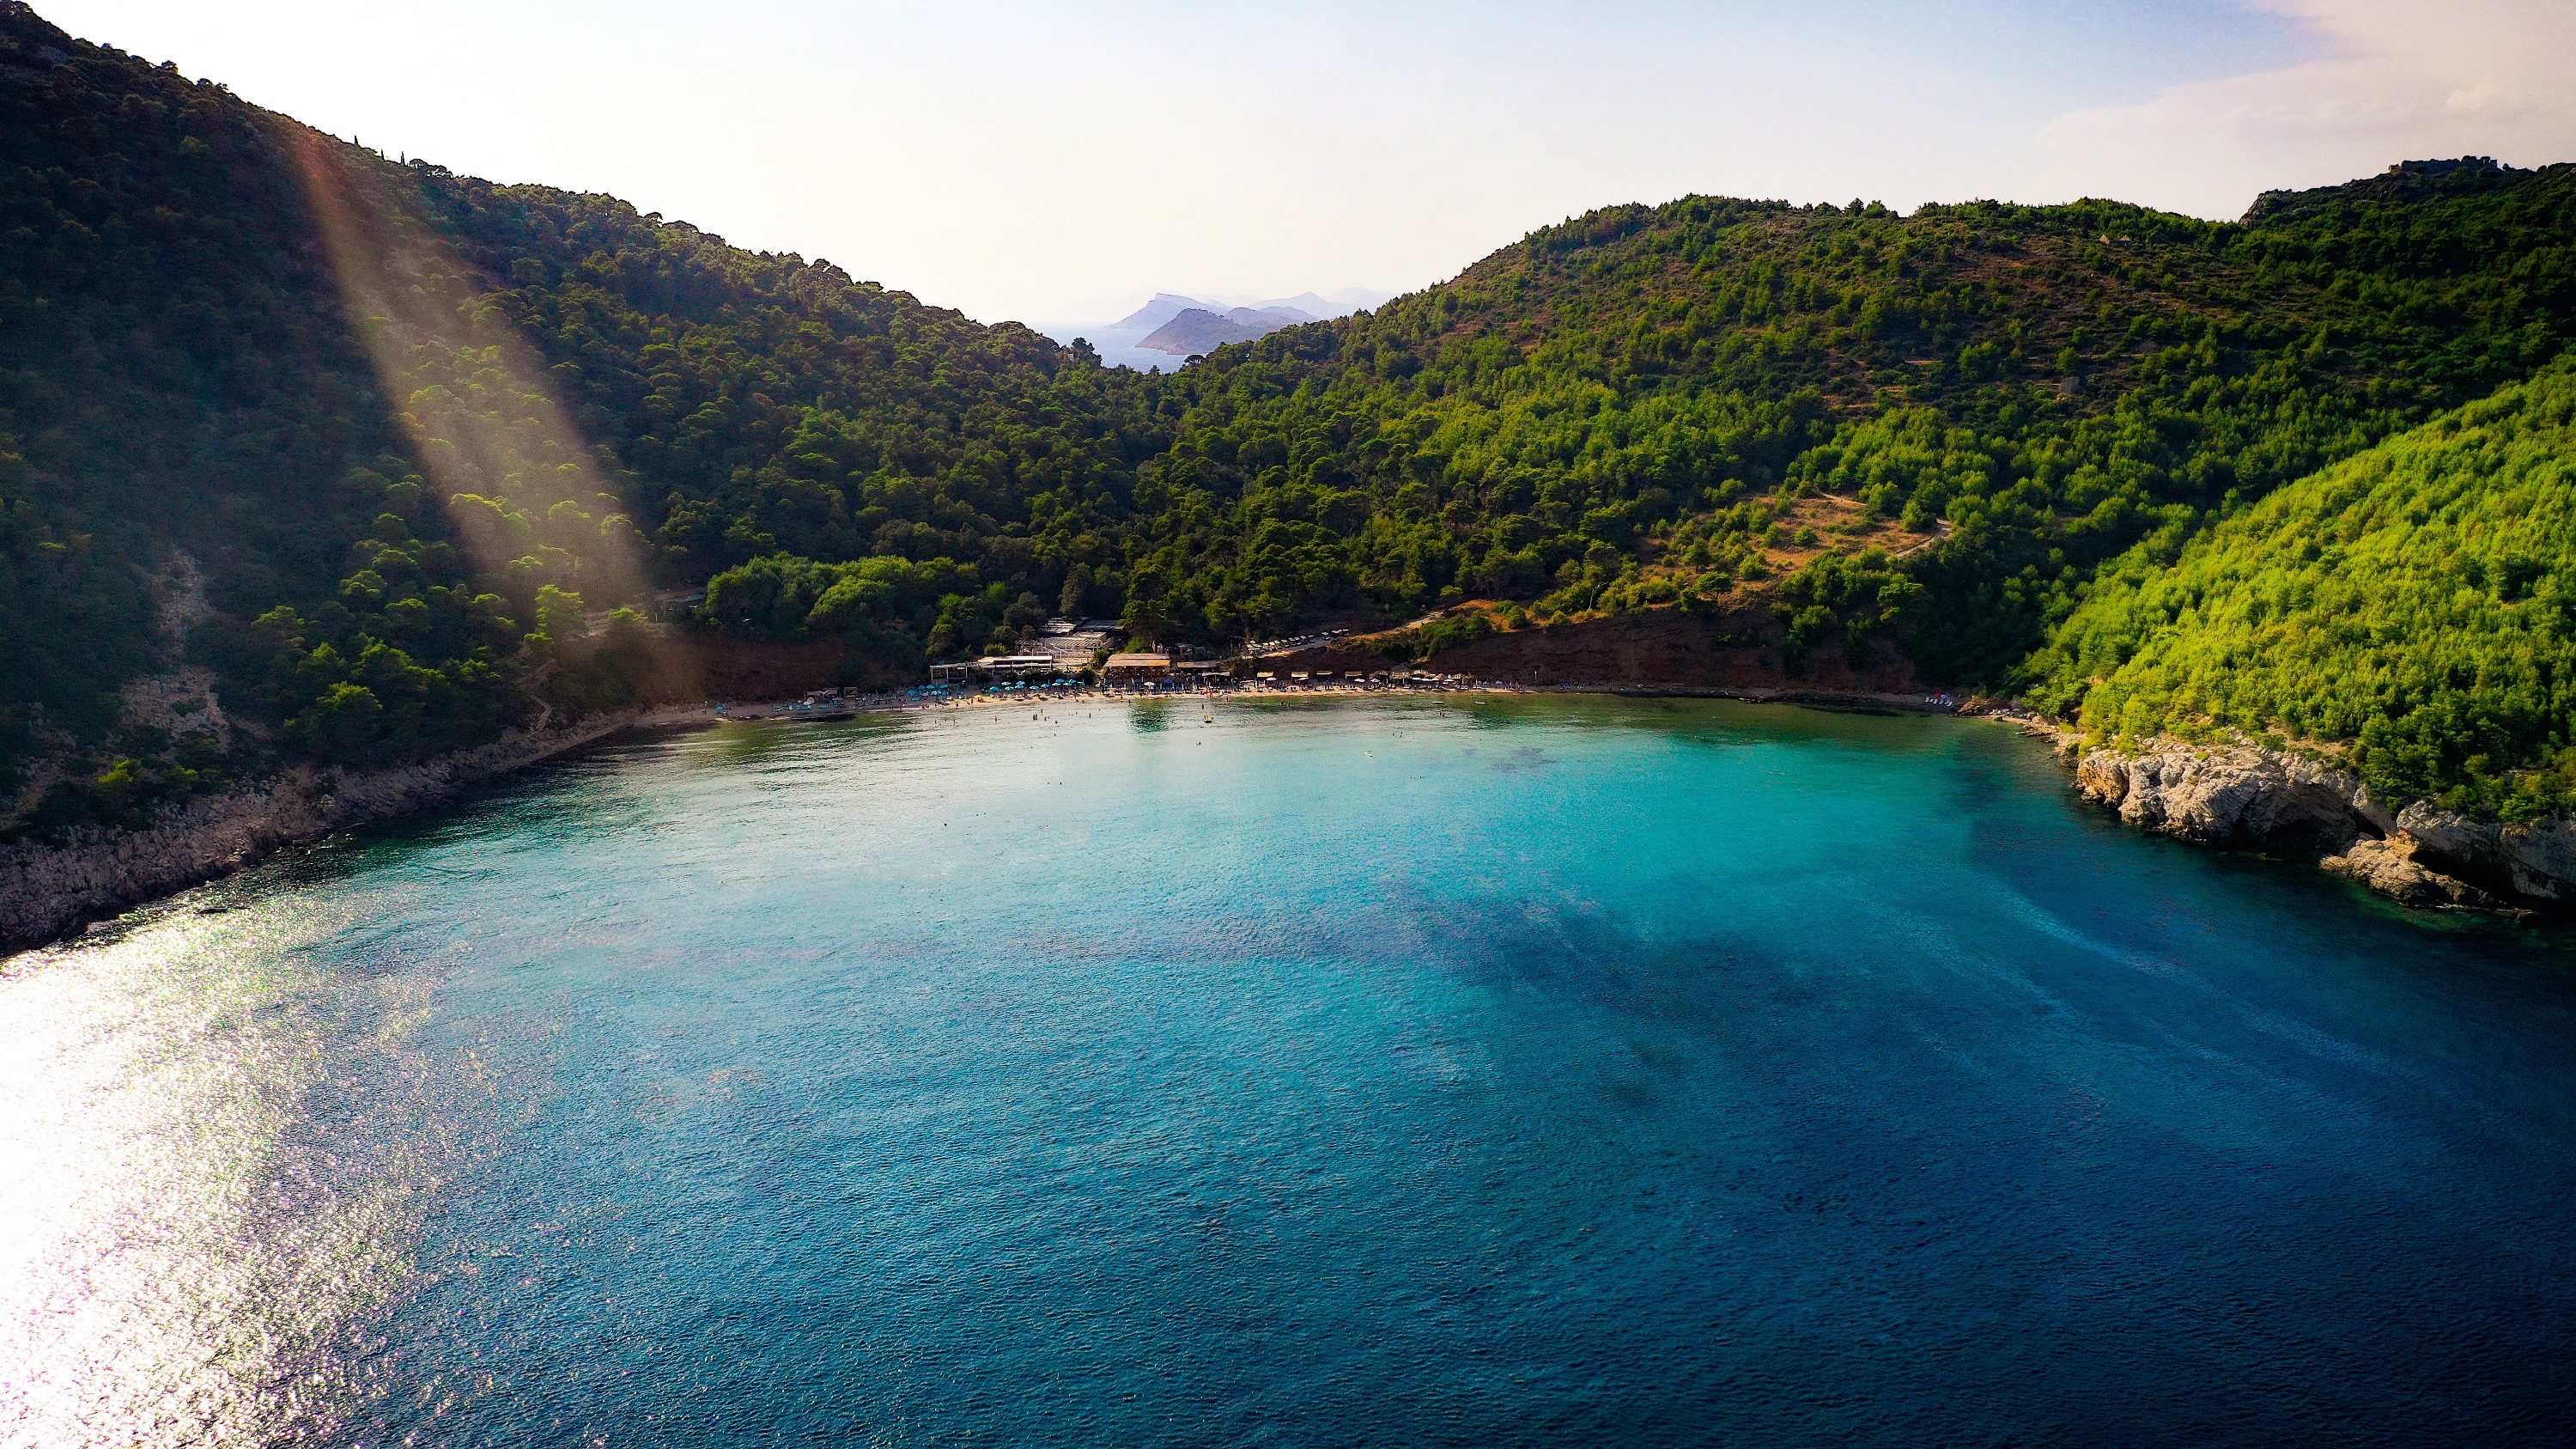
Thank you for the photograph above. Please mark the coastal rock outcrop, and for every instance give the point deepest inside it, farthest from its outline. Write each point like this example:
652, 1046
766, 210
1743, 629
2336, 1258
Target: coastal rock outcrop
2231, 796
48, 889
2244, 796
2532, 859
2389, 867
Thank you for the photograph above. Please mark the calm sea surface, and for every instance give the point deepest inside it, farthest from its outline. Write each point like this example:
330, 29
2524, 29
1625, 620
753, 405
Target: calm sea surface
1544, 1071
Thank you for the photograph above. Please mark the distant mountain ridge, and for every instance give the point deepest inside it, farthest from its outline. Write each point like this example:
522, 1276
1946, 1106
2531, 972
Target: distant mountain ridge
1153, 314
1197, 330
1173, 326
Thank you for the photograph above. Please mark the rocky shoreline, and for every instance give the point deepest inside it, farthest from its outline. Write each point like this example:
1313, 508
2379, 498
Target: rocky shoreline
2231, 796
2289, 805
48, 891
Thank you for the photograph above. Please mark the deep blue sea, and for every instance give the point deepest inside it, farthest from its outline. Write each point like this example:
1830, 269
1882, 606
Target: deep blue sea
1423, 1072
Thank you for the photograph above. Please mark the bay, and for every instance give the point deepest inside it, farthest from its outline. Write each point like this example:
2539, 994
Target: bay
1515, 1070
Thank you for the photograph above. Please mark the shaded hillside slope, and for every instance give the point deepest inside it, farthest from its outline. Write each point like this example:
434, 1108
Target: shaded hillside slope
307, 454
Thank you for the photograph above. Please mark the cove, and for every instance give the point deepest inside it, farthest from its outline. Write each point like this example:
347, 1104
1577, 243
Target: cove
1500, 1071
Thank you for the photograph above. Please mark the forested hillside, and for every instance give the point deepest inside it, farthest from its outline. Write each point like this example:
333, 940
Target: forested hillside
2413, 608
1613, 413
307, 453
366, 443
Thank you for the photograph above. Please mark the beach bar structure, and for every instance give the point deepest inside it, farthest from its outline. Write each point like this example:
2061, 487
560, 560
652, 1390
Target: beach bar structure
1127, 668
1003, 666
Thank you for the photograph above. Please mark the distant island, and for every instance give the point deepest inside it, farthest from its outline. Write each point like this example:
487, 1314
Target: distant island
1171, 327
1197, 329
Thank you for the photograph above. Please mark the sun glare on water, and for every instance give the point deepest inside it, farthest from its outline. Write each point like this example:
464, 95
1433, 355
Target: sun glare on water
173, 1269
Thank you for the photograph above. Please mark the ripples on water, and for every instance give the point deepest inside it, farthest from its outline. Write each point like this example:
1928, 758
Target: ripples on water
1557, 1071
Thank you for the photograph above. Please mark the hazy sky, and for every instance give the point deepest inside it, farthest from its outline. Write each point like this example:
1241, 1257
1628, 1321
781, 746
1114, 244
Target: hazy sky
1059, 161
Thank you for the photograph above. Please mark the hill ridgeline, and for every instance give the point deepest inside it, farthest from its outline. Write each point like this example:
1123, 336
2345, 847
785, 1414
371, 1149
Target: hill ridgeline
315, 460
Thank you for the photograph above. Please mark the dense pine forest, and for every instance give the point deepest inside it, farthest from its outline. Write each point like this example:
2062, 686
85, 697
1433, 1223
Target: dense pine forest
311, 454
370, 449
1614, 412
2410, 607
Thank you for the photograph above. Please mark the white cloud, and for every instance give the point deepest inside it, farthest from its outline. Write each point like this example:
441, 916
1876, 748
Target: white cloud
2396, 81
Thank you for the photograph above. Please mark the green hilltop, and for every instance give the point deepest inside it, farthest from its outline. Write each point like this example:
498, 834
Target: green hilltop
380, 453
2409, 609
1614, 412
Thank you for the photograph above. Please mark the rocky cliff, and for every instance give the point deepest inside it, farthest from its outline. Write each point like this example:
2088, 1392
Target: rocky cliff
48, 890
2289, 804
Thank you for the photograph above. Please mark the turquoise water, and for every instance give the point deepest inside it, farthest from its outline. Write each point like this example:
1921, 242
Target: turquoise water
1424, 1072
